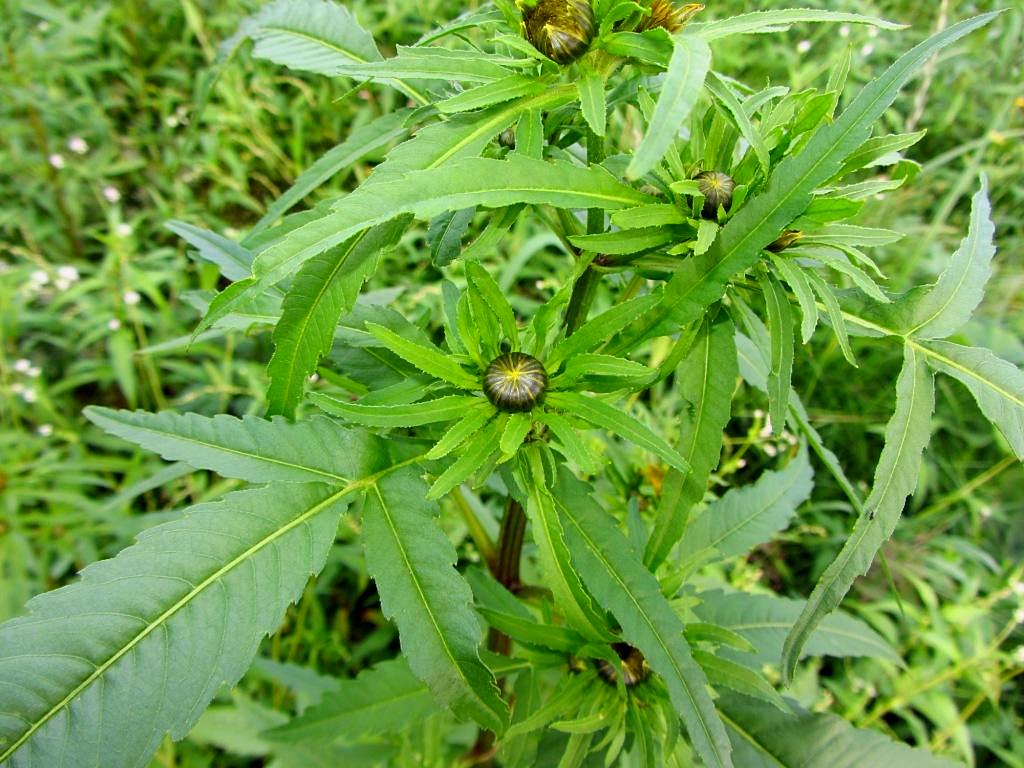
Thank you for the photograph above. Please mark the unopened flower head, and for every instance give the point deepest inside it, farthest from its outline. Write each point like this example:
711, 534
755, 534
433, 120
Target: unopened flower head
39, 277
57, 161
22, 365
78, 145
803, 46
131, 298
69, 273
111, 193
113, 324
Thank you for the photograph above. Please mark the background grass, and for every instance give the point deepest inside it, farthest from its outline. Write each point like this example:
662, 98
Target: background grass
102, 139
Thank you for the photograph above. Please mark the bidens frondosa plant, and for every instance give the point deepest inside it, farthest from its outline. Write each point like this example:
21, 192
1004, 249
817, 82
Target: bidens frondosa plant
565, 432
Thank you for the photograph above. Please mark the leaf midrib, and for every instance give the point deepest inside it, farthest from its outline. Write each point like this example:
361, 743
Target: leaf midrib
164, 617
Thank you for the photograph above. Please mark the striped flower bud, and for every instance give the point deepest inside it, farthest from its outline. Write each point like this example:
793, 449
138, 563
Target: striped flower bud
560, 29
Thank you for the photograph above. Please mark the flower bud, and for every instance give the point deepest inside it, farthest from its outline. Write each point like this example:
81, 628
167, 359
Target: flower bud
669, 16
717, 189
515, 382
785, 240
560, 29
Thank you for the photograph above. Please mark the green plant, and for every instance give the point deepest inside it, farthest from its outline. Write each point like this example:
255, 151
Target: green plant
606, 630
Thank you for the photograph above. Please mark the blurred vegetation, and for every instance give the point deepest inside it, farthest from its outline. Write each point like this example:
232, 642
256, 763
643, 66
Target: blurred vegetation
116, 116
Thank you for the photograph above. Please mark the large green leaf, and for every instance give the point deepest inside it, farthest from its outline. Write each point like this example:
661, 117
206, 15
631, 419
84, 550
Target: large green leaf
412, 562
386, 697
326, 286
704, 382
998, 386
906, 436
944, 307
691, 59
759, 22
234, 261
615, 574
749, 515
257, 450
764, 737
100, 670
702, 280
764, 620
412, 63
453, 186
413, 415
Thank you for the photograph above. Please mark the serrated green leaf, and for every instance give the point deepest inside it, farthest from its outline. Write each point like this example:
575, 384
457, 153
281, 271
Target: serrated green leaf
253, 449
592, 101
359, 144
571, 599
764, 621
690, 62
530, 134
386, 697
760, 22
841, 264
834, 312
653, 215
704, 382
780, 328
590, 365
569, 443
600, 328
103, 668
445, 233
607, 417
748, 515
702, 280
324, 288
728, 99
416, 414
430, 63
426, 357
763, 737
723, 673
906, 435
624, 240
412, 562
516, 430
949, 304
652, 46
794, 275
472, 457
871, 151
495, 300
474, 417
507, 88
997, 386
616, 576
461, 183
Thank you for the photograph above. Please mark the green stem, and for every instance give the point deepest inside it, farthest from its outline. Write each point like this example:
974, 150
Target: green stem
585, 289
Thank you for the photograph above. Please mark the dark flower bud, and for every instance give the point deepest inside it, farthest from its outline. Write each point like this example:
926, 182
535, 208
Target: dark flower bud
560, 29
785, 240
515, 382
667, 15
717, 189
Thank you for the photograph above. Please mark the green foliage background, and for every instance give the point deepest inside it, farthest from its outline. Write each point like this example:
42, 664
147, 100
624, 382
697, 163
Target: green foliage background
114, 118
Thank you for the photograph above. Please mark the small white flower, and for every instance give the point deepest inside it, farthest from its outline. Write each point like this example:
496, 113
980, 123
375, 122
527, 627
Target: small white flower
770, 449
111, 194
741, 463
68, 272
61, 284
171, 121
29, 395
22, 365
113, 324
34, 372
43, 26
131, 298
124, 230
867, 50
1018, 654
844, 30
803, 46
39, 277
45, 429
985, 511
78, 145
1017, 587
758, 413
57, 161
766, 430
314, 378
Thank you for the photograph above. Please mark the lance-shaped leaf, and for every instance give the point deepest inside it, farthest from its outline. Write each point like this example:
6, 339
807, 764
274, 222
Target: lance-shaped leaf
948, 304
234, 261
691, 59
764, 737
597, 330
488, 94
412, 562
413, 63
385, 698
100, 670
257, 450
427, 412
614, 573
612, 419
424, 356
747, 516
906, 435
592, 100
325, 287
452, 186
471, 458
704, 383
760, 22
360, 143
764, 620
780, 329
997, 386
701, 280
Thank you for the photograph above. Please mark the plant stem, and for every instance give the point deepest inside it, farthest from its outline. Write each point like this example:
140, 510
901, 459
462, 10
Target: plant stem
586, 286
